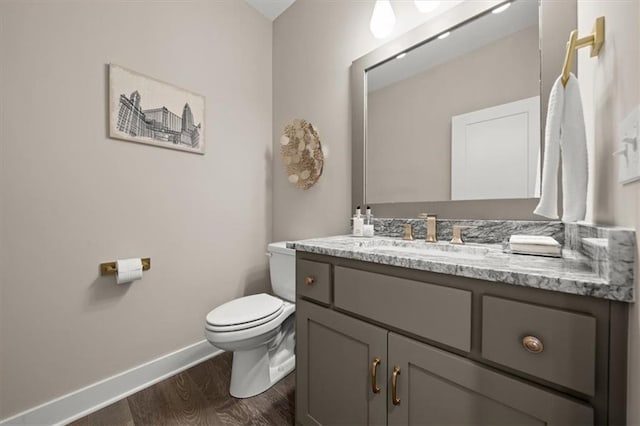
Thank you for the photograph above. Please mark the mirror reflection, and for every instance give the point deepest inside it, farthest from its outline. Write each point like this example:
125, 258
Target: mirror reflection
458, 118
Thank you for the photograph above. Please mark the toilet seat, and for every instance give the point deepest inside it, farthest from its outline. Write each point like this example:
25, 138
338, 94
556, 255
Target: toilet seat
245, 312
245, 325
264, 330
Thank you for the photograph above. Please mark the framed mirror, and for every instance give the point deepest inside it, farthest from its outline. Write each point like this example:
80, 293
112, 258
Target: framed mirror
448, 118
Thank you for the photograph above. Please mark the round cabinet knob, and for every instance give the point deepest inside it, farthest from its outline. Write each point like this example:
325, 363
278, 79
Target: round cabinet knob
309, 280
533, 344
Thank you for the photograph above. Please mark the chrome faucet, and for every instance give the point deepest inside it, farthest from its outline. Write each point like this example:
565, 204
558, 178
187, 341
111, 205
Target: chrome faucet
431, 225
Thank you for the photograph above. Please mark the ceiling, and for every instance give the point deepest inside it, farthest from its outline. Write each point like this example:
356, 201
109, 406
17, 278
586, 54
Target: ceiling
271, 8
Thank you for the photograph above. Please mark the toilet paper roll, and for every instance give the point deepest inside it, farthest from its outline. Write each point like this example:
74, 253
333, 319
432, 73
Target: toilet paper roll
128, 270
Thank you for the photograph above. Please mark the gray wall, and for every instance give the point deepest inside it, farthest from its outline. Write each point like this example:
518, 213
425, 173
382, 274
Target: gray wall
314, 43
409, 122
610, 90
72, 198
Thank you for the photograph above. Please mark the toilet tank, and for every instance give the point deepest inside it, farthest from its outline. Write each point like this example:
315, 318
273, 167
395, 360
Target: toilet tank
282, 267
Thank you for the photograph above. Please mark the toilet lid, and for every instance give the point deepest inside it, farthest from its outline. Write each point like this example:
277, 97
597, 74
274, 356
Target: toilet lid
245, 325
248, 309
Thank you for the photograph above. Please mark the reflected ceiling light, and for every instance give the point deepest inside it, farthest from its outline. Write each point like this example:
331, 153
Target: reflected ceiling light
426, 6
383, 19
444, 35
501, 9
402, 55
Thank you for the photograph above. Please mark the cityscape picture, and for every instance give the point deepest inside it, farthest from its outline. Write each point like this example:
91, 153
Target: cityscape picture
143, 109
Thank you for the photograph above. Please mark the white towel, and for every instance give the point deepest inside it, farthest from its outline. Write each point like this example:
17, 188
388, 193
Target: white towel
536, 250
565, 132
534, 240
535, 244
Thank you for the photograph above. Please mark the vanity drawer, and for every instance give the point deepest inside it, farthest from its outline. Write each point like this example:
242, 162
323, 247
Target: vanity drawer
313, 280
438, 313
562, 345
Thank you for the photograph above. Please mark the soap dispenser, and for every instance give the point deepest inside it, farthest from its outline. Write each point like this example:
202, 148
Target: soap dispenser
358, 223
368, 223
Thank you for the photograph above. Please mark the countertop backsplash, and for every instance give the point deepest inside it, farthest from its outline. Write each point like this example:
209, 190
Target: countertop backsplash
608, 251
611, 249
479, 231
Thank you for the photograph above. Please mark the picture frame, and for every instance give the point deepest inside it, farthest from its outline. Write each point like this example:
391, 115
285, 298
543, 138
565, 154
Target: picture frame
146, 110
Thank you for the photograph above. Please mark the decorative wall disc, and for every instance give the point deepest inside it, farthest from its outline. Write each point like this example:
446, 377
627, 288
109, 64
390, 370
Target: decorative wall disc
301, 153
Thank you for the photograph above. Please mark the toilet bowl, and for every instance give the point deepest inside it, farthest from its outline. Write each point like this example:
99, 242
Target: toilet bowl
259, 329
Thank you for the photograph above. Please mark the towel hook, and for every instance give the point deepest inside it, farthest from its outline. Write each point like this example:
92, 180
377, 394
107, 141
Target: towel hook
595, 40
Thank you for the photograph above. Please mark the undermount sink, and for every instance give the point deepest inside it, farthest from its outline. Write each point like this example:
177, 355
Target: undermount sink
421, 248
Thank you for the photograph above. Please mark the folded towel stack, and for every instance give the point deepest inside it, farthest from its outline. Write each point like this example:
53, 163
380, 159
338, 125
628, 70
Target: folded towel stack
535, 244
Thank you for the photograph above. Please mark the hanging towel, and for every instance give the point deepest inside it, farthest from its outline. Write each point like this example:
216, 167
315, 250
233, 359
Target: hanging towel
565, 136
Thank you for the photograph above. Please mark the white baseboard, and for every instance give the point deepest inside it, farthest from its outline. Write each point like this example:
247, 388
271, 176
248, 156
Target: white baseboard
84, 401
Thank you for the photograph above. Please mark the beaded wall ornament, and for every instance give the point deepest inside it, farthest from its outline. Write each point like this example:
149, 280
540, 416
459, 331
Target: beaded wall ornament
301, 153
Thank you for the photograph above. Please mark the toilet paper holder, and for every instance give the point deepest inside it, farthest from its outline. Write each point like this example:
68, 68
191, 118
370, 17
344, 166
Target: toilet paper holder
110, 268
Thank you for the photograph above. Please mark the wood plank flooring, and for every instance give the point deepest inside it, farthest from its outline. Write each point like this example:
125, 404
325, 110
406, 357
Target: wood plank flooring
199, 396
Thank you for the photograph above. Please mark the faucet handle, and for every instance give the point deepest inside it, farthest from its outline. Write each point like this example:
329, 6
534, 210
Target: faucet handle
457, 234
408, 232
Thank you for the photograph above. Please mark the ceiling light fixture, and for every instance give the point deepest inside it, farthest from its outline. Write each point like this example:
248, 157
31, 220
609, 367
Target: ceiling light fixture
426, 6
444, 35
501, 9
383, 19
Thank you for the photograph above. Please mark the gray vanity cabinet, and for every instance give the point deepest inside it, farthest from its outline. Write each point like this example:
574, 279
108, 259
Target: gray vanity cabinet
451, 350
335, 355
338, 355
435, 387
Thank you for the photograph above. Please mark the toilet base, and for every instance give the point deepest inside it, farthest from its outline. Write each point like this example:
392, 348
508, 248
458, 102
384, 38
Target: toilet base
255, 370
251, 373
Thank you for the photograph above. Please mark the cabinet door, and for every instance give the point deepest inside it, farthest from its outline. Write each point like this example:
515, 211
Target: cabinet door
440, 388
334, 356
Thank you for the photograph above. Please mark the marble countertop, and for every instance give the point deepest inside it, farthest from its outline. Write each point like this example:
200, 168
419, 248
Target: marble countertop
574, 273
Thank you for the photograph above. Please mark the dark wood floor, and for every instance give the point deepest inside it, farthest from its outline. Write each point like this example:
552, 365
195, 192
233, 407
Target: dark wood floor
199, 396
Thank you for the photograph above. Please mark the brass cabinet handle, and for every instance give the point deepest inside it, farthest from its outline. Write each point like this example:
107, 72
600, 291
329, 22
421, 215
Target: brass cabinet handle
374, 371
308, 280
394, 386
532, 344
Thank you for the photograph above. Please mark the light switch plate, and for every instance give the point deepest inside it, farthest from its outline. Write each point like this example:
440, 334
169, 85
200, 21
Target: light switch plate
628, 148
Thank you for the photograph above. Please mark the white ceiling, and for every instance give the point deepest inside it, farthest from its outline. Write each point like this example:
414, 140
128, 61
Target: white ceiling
270, 8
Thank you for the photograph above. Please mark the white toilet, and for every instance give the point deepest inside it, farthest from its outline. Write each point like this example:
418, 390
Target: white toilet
259, 329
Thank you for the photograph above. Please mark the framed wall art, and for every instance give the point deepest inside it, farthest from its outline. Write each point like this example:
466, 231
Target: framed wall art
146, 110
